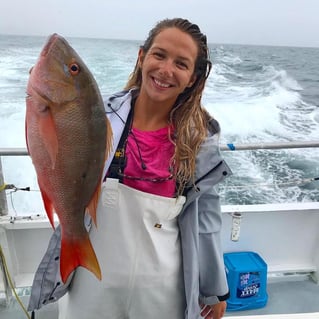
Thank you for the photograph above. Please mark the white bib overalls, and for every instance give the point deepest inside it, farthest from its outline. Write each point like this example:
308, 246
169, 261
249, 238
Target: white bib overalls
137, 245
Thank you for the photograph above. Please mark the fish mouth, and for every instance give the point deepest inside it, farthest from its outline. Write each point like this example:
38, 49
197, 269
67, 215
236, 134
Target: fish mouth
50, 42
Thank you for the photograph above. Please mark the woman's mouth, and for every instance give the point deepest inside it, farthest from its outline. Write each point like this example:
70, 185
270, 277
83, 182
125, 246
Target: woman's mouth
161, 84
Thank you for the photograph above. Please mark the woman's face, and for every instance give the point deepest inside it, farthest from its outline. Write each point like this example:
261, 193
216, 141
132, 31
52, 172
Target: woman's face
168, 66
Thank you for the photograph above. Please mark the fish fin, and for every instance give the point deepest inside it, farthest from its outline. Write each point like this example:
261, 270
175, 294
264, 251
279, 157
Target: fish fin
48, 206
47, 131
92, 207
78, 252
26, 132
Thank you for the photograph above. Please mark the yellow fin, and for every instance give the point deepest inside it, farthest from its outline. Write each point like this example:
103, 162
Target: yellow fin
48, 206
94, 202
78, 252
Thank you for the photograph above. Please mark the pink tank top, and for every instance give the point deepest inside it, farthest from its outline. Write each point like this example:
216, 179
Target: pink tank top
148, 155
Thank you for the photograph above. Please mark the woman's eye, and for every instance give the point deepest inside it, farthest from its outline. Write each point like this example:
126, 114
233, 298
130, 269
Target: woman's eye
159, 55
182, 65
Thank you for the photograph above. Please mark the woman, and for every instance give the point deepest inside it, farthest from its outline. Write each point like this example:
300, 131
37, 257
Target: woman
159, 220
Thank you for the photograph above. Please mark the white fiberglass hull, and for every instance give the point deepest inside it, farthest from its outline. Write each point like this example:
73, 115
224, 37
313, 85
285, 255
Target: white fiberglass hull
285, 235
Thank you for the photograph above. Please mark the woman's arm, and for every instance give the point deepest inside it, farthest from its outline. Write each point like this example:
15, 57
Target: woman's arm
212, 282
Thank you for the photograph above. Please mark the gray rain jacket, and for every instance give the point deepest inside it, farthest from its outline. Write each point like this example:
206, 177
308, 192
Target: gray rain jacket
199, 223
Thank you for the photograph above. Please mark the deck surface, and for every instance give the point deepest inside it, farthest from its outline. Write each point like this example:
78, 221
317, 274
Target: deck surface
288, 299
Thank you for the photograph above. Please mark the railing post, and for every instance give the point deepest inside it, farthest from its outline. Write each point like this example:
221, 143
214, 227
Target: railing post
3, 196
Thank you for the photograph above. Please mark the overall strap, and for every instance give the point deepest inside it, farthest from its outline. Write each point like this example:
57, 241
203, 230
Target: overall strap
119, 160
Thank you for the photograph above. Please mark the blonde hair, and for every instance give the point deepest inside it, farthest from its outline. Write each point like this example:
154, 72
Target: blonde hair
188, 116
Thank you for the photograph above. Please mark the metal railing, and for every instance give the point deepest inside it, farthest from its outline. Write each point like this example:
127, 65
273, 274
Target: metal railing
269, 146
225, 147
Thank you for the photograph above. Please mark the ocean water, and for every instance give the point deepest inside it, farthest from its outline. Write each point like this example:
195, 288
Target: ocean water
259, 94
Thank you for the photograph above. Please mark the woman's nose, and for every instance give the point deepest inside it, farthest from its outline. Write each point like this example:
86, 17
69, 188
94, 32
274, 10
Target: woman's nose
167, 68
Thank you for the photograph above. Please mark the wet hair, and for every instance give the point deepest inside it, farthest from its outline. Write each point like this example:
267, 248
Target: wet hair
188, 116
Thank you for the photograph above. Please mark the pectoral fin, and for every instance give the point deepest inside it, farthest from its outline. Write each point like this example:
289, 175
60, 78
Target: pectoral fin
93, 203
47, 131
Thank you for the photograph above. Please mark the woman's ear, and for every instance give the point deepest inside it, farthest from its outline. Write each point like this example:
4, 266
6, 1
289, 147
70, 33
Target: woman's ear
140, 58
192, 80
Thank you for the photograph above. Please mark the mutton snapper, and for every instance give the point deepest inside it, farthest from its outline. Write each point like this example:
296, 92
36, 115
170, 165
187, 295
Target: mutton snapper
68, 138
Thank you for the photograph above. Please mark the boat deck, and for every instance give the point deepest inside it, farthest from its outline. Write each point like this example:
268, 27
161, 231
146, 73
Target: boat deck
296, 297
286, 300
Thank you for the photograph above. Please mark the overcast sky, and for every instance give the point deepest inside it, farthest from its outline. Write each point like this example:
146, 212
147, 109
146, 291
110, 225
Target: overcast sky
269, 22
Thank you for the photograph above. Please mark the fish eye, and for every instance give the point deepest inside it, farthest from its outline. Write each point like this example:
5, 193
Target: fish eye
74, 69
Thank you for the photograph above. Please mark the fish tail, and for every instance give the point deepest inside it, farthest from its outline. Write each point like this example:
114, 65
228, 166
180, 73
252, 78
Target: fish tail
76, 253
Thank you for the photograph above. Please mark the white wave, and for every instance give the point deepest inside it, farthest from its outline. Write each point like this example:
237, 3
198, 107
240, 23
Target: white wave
283, 79
245, 111
315, 115
220, 68
224, 56
232, 60
12, 124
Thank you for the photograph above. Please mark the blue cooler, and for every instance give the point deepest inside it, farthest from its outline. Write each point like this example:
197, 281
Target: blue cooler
247, 280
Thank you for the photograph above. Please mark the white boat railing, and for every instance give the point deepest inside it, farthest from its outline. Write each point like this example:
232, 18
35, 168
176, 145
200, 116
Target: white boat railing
295, 256
269, 146
224, 147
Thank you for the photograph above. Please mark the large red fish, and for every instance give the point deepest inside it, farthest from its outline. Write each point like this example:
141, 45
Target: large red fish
68, 138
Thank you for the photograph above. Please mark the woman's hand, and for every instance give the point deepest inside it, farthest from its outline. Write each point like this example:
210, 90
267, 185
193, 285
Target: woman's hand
213, 311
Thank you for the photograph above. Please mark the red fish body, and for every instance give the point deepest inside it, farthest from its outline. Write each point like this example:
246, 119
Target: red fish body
68, 138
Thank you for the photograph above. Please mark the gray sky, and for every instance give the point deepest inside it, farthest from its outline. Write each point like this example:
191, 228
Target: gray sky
269, 22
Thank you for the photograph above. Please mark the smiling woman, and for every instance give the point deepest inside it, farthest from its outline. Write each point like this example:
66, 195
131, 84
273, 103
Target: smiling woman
185, 108
158, 204
167, 70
